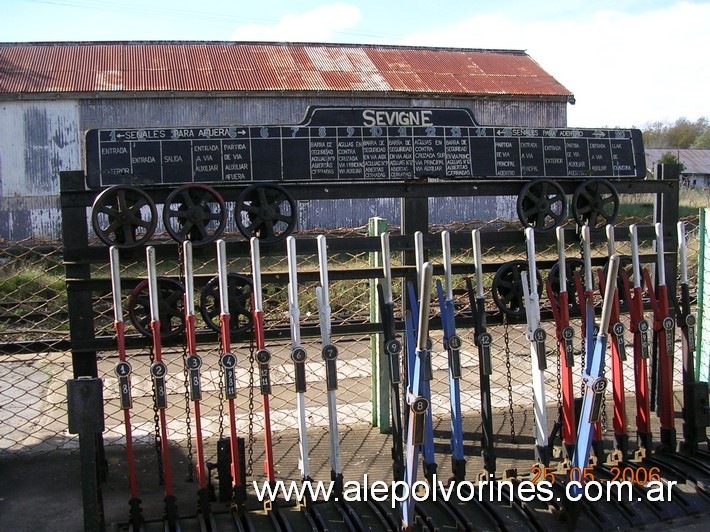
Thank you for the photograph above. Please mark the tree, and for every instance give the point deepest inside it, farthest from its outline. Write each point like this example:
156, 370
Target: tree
702, 142
680, 134
671, 158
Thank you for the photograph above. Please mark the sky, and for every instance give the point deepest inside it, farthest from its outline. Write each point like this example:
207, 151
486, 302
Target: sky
628, 62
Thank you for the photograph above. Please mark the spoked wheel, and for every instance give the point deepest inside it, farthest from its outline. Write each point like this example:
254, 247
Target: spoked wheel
571, 266
196, 213
239, 292
595, 203
542, 205
508, 288
266, 211
171, 295
123, 216
625, 264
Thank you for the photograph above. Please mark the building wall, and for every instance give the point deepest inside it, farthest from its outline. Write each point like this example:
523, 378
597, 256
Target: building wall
40, 138
700, 181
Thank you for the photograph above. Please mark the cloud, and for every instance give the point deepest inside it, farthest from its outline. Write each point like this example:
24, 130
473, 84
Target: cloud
624, 68
317, 25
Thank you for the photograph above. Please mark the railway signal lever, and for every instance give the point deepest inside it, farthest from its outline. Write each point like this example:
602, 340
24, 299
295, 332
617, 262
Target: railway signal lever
664, 329
452, 344
538, 362
696, 412
483, 341
595, 382
618, 356
418, 402
565, 336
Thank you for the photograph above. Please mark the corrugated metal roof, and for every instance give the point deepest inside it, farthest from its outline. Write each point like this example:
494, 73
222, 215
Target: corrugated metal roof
695, 161
235, 66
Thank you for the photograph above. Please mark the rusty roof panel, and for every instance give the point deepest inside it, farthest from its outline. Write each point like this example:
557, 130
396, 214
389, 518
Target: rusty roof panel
695, 161
282, 60
232, 66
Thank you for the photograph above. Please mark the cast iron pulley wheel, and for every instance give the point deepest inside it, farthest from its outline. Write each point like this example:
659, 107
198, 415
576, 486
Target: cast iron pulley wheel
571, 266
196, 213
239, 295
625, 265
542, 205
595, 203
266, 211
123, 216
171, 295
508, 288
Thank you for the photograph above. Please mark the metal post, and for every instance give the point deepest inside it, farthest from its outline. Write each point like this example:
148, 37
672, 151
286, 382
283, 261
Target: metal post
380, 381
414, 217
85, 416
701, 360
81, 331
667, 213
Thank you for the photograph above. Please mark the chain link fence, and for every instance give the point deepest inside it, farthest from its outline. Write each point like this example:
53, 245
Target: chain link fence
34, 334
35, 360
703, 283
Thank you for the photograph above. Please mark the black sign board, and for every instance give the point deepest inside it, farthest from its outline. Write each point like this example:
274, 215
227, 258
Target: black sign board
360, 144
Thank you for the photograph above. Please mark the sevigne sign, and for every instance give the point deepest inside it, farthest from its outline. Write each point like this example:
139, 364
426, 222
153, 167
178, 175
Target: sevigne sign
360, 144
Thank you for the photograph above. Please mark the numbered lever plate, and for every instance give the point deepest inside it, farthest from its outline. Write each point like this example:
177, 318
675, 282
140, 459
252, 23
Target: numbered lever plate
568, 338
669, 328
485, 340
158, 370
263, 357
298, 355
618, 330
454, 348
123, 372
690, 321
539, 336
330, 355
194, 363
643, 329
229, 364
393, 348
419, 407
598, 389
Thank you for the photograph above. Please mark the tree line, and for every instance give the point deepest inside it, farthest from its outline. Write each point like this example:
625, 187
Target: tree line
681, 134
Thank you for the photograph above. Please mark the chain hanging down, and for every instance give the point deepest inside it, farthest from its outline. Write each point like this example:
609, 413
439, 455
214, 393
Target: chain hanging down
186, 384
509, 377
156, 426
250, 434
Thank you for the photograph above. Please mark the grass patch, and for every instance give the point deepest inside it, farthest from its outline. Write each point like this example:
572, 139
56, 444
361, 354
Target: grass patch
641, 206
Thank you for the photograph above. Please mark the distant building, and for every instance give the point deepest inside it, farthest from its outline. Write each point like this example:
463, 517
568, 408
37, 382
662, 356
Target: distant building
696, 173
51, 93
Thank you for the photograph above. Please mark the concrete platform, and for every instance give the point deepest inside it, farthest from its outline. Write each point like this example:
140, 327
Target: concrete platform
43, 492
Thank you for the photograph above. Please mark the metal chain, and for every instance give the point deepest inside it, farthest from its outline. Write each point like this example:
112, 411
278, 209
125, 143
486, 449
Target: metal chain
250, 451
559, 383
156, 422
604, 418
188, 421
583, 354
220, 379
509, 377
583, 349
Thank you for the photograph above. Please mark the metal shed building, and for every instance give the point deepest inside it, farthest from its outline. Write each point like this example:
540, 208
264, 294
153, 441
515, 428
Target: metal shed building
50, 93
